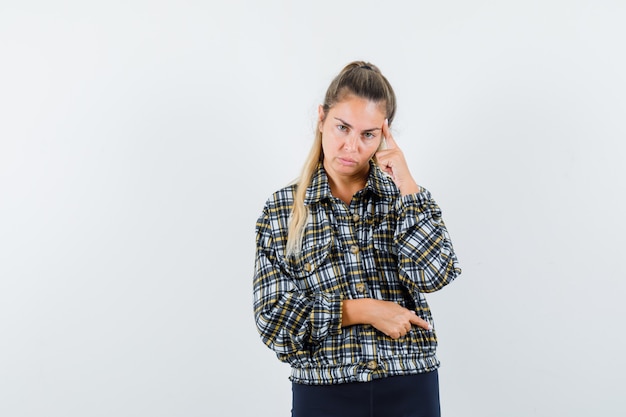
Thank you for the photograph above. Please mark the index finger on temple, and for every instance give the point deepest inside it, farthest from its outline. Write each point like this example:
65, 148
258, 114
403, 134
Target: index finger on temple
391, 143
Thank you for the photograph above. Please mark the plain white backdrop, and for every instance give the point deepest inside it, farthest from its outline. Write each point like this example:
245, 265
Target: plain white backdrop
140, 139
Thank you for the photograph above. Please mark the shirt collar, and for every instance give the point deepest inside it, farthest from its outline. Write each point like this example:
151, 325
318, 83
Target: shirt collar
378, 183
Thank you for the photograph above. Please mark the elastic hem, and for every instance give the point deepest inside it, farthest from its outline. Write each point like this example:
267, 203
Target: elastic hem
362, 372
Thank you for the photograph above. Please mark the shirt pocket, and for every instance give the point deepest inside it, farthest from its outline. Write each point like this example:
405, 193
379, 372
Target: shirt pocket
312, 269
418, 342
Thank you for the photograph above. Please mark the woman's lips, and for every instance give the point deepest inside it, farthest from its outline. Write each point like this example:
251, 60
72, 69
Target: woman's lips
346, 161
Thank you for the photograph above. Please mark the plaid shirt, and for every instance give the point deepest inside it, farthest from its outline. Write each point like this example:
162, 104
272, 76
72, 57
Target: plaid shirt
383, 246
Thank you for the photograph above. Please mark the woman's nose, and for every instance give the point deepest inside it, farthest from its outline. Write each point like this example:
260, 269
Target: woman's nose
350, 143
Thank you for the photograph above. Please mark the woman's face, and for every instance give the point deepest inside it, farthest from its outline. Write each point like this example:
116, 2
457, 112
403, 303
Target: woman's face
351, 135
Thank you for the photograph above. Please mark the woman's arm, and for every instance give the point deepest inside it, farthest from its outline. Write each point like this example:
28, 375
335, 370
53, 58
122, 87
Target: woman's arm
390, 318
426, 259
288, 319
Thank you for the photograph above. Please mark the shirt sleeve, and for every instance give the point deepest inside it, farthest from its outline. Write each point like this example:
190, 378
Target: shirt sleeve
425, 254
288, 319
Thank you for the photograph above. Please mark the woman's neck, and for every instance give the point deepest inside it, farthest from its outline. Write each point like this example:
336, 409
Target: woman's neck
345, 188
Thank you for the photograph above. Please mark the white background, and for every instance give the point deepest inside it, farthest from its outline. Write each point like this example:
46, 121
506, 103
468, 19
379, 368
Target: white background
140, 139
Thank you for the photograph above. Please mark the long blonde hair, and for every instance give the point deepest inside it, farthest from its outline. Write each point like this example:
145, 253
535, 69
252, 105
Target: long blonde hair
358, 78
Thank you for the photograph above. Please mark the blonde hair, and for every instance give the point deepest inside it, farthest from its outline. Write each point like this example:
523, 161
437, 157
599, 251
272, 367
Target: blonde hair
358, 78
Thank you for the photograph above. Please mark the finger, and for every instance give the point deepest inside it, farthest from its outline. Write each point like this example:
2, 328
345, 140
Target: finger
391, 143
420, 322
384, 161
394, 335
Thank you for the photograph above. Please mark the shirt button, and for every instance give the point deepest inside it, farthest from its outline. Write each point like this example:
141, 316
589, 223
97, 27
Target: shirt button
356, 218
354, 249
307, 267
360, 288
372, 365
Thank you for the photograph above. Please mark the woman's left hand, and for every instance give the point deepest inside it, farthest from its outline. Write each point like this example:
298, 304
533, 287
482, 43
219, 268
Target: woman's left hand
391, 161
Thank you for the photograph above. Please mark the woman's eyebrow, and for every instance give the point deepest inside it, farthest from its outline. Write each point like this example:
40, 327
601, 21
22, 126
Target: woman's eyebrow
343, 122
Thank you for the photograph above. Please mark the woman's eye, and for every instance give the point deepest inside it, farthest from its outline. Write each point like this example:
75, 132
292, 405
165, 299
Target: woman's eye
342, 128
369, 135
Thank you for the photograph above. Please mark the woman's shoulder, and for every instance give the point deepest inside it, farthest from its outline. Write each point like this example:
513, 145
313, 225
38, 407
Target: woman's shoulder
277, 210
281, 199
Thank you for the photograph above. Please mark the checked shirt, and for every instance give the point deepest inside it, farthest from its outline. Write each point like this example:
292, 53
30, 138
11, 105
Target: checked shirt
383, 246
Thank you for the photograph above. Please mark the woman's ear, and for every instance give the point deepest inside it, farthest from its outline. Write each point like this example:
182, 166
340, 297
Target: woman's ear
320, 117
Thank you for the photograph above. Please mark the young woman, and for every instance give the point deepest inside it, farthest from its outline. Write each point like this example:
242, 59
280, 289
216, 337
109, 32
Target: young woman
343, 259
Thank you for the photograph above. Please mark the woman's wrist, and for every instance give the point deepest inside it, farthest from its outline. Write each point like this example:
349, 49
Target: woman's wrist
356, 311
